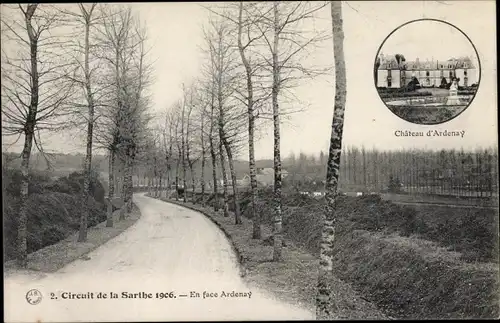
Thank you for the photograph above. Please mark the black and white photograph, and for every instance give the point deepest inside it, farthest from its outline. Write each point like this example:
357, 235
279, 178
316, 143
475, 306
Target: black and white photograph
249, 161
427, 71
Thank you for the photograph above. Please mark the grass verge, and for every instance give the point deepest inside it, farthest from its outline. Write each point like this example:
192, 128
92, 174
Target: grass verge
294, 279
427, 115
58, 255
413, 278
424, 263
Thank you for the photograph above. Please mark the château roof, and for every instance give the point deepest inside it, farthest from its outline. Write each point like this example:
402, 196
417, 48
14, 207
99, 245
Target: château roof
390, 62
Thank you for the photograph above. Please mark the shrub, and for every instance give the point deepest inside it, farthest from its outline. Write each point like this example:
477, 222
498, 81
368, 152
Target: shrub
388, 95
394, 185
12, 181
53, 209
63, 185
96, 188
10, 210
52, 234
466, 92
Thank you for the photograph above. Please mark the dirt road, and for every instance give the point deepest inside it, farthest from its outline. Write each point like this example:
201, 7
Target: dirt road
171, 251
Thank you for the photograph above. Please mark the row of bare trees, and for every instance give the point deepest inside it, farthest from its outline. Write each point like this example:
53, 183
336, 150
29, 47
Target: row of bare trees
444, 172
255, 53
77, 66
90, 61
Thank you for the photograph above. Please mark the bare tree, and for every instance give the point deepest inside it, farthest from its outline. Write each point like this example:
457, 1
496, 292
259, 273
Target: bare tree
323, 299
287, 46
183, 148
168, 142
178, 139
125, 39
125, 118
197, 124
35, 90
244, 18
203, 135
87, 19
223, 58
212, 140
190, 102
84, 76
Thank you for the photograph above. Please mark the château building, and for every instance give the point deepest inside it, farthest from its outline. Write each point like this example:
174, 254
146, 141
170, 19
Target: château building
393, 74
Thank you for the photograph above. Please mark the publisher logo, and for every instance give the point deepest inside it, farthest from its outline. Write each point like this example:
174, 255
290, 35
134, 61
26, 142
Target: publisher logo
33, 296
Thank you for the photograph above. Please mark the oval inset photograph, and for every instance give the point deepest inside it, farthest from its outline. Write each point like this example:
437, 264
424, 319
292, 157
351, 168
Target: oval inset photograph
427, 71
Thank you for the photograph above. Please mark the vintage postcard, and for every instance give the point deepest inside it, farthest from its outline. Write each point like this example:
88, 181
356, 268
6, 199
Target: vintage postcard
230, 161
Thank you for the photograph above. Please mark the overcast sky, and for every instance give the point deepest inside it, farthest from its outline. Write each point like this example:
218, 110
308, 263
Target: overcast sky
427, 40
175, 36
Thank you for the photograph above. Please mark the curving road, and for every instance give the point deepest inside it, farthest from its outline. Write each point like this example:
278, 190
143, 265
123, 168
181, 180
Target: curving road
170, 248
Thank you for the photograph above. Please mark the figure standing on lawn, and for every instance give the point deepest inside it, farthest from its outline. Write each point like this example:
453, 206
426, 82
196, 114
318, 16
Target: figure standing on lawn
453, 98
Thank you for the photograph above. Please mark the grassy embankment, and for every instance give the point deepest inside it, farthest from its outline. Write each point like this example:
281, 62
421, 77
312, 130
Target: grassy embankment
54, 207
412, 263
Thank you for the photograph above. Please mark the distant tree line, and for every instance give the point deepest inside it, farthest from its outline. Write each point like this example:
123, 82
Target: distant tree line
446, 172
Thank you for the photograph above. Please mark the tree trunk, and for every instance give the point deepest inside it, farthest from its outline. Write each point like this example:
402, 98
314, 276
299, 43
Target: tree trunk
236, 204
184, 165
159, 184
324, 299
376, 171
111, 189
184, 181
191, 170
355, 166
22, 224
122, 192
365, 175
155, 176
168, 180
213, 156
202, 177
224, 178
82, 234
22, 228
177, 178
278, 216
214, 175
128, 181
257, 230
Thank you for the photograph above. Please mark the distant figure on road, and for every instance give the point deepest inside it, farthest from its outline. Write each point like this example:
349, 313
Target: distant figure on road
180, 191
